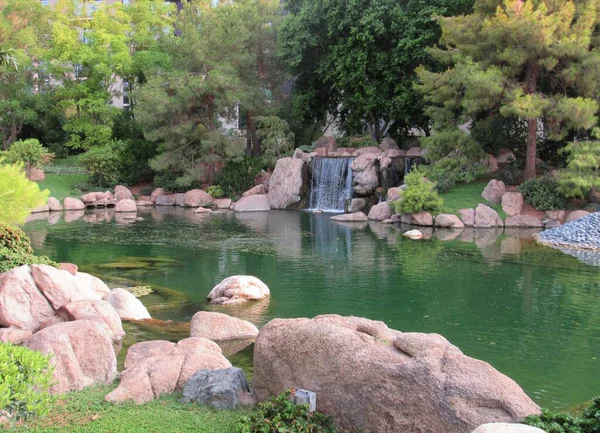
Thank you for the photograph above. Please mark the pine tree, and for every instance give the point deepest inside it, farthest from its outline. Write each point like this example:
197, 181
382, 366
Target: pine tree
536, 60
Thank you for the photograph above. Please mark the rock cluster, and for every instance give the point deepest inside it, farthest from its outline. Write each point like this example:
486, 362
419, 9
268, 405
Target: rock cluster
581, 233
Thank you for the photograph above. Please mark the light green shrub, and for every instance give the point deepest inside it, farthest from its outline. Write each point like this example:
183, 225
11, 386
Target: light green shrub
215, 191
25, 381
18, 195
103, 163
420, 195
30, 152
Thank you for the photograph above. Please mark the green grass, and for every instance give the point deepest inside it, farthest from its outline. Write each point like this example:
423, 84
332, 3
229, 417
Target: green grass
86, 411
63, 185
468, 196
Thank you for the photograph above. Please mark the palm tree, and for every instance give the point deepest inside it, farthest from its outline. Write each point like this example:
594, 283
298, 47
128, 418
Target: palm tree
8, 59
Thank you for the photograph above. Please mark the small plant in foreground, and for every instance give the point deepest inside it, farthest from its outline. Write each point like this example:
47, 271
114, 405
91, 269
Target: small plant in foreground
280, 415
420, 195
565, 423
15, 250
25, 381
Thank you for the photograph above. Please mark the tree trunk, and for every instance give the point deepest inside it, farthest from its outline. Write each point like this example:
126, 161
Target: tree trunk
530, 88
531, 149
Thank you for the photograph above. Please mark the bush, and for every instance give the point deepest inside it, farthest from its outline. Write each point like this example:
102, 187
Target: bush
29, 152
146, 190
237, 176
15, 250
103, 164
452, 170
512, 172
542, 193
420, 195
18, 195
564, 423
356, 141
215, 191
168, 181
280, 415
275, 137
25, 379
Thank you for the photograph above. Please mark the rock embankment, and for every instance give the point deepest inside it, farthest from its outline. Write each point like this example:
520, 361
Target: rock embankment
583, 233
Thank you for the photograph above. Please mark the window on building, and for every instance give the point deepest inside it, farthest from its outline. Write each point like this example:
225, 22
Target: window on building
126, 100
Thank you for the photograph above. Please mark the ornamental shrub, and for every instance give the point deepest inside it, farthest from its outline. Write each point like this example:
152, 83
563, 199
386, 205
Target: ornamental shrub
449, 171
25, 381
18, 195
420, 195
30, 152
550, 422
238, 176
15, 250
275, 137
280, 415
542, 193
215, 191
103, 164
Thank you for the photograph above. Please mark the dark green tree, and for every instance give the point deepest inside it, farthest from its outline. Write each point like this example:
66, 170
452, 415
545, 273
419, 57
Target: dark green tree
355, 60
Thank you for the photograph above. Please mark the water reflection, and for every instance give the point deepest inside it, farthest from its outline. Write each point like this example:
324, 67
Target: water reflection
527, 309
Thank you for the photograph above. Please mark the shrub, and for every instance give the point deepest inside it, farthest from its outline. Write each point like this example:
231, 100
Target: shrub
18, 195
29, 152
103, 164
25, 379
356, 141
565, 423
168, 181
452, 170
307, 149
542, 193
420, 195
280, 415
15, 250
146, 190
237, 176
215, 191
275, 137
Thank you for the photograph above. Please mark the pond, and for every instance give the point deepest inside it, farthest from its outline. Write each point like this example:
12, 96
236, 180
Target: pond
530, 311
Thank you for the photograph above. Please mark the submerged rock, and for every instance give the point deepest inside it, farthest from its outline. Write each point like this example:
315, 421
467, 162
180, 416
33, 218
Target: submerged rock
413, 234
237, 289
219, 326
374, 379
225, 388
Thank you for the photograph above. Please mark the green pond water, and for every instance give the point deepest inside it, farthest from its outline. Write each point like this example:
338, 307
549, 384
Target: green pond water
530, 311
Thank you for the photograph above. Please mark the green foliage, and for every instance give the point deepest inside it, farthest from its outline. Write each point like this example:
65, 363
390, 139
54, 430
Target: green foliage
103, 164
275, 138
15, 250
215, 191
18, 195
355, 141
86, 411
238, 176
356, 60
582, 173
542, 193
498, 132
565, 423
25, 379
280, 415
29, 152
449, 171
486, 75
442, 143
169, 180
420, 195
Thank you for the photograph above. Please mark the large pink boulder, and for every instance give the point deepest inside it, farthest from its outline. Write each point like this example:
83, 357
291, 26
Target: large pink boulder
14, 335
354, 217
126, 205
156, 193
71, 203
258, 189
60, 287
92, 282
418, 219
512, 203
288, 184
22, 305
365, 174
374, 379
486, 217
494, 191
126, 305
467, 216
219, 327
54, 205
252, 203
164, 200
95, 310
237, 289
449, 221
197, 198
523, 221
82, 354
380, 211
98, 198
160, 368
123, 193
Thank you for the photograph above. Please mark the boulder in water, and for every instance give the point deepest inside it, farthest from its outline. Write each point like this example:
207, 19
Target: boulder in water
219, 327
252, 203
237, 289
288, 184
380, 211
356, 217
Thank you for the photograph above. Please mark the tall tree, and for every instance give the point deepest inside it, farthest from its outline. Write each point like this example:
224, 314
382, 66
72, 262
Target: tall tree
356, 59
534, 60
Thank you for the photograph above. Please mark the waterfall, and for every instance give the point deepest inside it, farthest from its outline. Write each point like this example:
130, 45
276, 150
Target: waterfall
331, 184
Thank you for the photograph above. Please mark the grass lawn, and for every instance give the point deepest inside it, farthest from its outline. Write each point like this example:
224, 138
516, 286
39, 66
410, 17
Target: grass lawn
468, 196
86, 411
62, 185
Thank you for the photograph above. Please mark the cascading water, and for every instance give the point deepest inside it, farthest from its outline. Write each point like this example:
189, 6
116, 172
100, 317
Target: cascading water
331, 184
